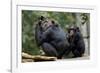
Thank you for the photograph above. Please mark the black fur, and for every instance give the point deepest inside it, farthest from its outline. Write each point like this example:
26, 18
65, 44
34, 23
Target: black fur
53, 40
76, 41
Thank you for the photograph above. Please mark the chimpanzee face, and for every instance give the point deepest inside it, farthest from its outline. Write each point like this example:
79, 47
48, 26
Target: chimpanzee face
71, 32
45, 23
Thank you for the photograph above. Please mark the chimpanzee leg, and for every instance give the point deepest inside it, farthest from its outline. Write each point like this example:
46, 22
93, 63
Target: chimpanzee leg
67, 51
76, 53
64, 50
49, 49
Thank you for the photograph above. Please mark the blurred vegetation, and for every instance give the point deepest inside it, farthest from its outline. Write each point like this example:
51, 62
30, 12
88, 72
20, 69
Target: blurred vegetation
29, 19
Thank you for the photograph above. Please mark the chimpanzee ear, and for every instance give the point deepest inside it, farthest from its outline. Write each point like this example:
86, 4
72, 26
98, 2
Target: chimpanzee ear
53, 22
42, 18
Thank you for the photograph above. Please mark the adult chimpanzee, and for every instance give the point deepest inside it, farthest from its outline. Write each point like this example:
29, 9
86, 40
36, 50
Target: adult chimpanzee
76, 41
51, 38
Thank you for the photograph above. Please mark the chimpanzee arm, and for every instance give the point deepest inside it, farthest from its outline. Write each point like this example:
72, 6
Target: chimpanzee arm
77, 37
38, 35
46, 33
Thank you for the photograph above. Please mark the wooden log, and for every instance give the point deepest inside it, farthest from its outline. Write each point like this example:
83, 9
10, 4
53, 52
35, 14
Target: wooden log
27, 60
38, 57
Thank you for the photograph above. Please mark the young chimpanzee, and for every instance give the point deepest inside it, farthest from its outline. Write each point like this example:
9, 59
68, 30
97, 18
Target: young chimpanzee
51, 37
76, 41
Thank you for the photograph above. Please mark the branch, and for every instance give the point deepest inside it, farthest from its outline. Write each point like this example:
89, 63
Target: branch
36, 58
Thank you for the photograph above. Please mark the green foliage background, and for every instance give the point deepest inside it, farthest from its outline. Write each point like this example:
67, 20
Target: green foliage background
29, 19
